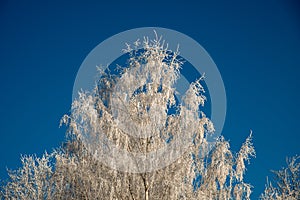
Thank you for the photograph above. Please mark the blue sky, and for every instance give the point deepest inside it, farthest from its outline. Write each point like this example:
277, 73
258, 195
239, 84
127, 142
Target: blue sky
255, 44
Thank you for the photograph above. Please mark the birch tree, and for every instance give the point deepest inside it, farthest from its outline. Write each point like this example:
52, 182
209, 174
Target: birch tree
137, 111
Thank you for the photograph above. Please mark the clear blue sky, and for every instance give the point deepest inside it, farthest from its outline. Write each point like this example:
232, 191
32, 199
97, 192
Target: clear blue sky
255, 44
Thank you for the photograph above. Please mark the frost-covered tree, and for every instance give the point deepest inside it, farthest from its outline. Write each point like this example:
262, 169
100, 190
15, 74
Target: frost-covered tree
136, 111
287, 182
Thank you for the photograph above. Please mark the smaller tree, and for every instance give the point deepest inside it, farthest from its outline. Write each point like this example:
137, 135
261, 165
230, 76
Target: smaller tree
31, 181
287, 184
